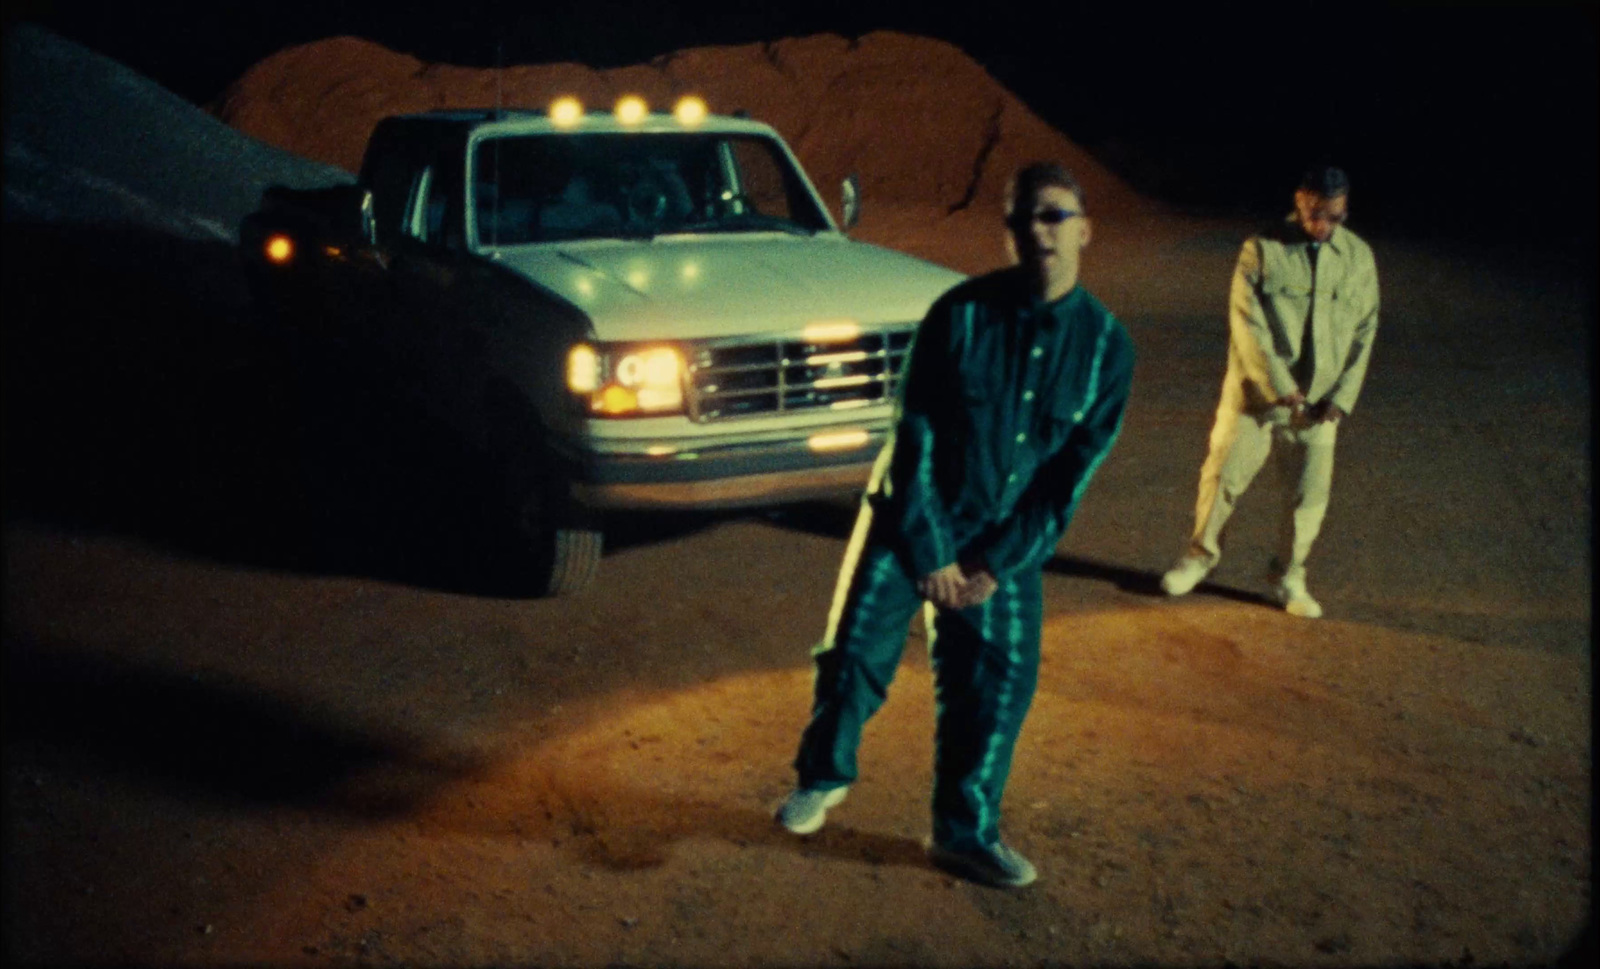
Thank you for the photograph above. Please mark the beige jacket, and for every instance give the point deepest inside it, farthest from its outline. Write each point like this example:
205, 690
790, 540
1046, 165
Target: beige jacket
1270, 305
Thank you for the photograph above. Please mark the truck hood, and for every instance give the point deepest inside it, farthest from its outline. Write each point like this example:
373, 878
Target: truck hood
689, 287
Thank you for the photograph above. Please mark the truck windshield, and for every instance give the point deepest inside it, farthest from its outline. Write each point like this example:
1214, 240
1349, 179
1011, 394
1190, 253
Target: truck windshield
556, 187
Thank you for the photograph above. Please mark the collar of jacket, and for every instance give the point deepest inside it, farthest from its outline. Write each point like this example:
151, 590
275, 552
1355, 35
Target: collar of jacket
1338, 242
1047, 310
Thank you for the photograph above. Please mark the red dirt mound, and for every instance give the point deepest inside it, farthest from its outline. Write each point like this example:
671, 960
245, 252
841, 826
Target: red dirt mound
922, 123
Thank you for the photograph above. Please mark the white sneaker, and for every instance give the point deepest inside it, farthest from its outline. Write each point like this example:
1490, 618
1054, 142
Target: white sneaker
1184, 576
1296, 600
805, 810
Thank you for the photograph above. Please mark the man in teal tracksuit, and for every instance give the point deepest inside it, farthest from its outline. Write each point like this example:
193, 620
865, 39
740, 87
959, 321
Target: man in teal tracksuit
1013, 396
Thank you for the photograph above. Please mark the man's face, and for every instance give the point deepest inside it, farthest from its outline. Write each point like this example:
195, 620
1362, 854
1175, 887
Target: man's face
1320, 215
1050, 235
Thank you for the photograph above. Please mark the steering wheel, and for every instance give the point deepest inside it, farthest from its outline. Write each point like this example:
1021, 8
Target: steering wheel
647, 201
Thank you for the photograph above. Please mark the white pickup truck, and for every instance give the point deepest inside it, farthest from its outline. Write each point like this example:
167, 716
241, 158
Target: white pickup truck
624, 309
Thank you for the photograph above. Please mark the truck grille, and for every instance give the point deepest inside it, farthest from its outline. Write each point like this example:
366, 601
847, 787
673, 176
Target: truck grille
794, 375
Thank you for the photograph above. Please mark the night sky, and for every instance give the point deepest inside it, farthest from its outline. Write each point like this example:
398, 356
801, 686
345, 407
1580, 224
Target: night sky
1456, 121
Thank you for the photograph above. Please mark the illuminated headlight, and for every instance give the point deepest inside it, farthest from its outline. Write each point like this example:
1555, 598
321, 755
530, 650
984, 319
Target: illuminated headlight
624, 383
278, 248
583, 369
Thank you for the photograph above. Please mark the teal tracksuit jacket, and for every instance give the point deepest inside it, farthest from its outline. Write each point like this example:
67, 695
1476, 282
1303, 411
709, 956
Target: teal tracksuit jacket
1008, 407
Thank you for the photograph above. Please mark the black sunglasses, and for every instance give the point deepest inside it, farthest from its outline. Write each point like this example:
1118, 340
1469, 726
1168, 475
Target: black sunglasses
1050, 216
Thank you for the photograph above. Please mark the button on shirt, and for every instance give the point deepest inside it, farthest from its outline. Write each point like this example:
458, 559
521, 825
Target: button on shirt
1008, 408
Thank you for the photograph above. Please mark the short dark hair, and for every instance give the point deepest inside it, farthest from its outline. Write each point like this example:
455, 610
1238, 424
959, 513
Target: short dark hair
1033, 178
1328, 181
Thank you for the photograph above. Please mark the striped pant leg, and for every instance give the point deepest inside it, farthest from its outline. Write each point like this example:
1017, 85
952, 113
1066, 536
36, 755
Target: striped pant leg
986, 666
873, 605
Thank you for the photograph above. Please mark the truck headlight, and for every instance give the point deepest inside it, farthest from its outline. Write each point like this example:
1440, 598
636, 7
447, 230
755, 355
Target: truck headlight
583, 369
627, 382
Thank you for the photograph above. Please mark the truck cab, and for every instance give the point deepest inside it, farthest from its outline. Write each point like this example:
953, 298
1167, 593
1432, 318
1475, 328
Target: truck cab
626, 310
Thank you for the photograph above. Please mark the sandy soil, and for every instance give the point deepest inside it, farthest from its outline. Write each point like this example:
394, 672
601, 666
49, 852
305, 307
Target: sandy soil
243, 726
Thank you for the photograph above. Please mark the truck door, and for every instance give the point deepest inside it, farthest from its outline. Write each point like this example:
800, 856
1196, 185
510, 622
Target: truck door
437, 343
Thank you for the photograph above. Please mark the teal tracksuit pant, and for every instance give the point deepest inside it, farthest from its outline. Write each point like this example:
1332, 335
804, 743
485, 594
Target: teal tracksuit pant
985, 663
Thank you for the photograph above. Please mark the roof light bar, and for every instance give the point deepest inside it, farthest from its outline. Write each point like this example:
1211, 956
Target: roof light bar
690, 110
631, 109
566, 112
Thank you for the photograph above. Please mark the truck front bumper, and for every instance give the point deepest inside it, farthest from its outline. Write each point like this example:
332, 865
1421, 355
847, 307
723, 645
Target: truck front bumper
724, 475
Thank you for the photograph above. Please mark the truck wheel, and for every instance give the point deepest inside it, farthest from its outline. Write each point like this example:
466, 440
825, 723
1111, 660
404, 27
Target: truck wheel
555, 544
569, 558
563, 554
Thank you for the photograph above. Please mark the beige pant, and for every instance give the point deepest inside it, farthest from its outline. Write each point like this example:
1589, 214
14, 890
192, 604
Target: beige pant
1240, 443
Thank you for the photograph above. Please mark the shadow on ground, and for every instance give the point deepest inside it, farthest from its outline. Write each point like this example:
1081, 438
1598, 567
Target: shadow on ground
146, 395
206, 736
1144, 583
602, 822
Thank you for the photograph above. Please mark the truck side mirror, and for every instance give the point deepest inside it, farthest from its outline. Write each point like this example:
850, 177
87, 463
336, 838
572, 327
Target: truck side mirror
850, 200
338, 212
348, 209
367, 220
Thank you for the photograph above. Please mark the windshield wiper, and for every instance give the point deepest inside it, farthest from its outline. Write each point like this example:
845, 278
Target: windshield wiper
780, 224
742, 223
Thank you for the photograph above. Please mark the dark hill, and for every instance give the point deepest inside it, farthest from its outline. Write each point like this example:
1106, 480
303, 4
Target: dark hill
88, 140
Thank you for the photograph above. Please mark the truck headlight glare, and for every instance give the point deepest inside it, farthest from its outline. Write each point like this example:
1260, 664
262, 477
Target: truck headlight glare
655, 375
620, 384
657, 367
583, 369
615, 400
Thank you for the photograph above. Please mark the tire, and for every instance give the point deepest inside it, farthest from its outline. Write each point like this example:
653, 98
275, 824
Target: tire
570, 557
561, 550
558, 545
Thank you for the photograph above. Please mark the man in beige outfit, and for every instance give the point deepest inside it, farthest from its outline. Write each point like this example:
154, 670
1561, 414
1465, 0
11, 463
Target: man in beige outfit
1302, 317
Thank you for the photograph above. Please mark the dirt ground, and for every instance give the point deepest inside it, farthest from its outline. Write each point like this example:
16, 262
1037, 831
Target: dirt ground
244, 730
